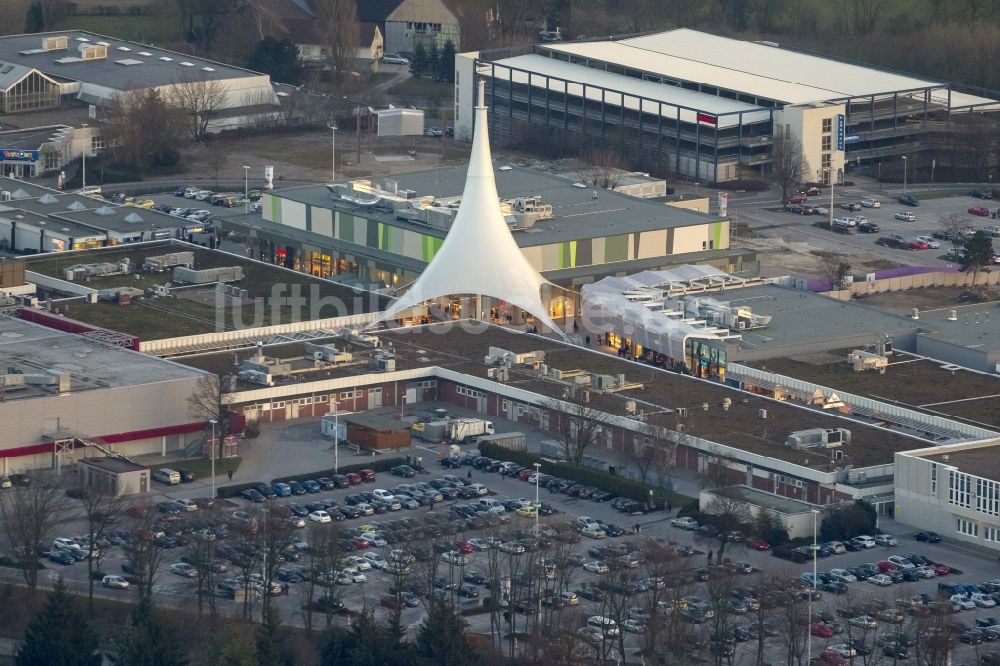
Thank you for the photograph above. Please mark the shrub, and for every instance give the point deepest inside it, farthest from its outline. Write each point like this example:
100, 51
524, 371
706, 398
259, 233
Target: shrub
746, 184
379, 465
618, 485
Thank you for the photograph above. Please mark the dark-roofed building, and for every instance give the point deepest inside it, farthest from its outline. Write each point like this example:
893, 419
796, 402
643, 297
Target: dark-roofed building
298, 21
39, 71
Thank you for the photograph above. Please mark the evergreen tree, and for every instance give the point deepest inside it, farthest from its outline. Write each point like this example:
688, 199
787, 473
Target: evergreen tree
434, 62
337, 646
59, 635
448, 62
441, 640
371, 644
418, 63
229, 646
279, 58
149, 641
34, 20
270, 648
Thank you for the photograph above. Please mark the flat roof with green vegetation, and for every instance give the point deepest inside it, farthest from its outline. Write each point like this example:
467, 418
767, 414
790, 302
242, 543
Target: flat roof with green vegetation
274, 295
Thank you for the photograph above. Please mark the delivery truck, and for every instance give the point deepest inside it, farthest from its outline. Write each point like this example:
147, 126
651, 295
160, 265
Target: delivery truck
461, 429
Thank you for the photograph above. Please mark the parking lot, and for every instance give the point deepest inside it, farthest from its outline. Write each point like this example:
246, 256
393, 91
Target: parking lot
764, 216
439, 528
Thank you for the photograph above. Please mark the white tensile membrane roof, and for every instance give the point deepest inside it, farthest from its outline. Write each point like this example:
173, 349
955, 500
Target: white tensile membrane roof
479, 254
636, 304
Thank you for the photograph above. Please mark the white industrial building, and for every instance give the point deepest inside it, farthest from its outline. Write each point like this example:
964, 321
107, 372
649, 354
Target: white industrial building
953, 490
44, 70
706, 106
67, 396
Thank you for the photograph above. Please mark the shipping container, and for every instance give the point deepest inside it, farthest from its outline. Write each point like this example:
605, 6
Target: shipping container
513, 441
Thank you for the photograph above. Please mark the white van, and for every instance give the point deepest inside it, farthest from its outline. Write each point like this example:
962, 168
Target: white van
168, 476
871, 203
604, 624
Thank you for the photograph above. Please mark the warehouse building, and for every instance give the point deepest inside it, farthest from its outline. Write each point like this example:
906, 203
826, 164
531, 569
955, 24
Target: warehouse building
68, 396
708, 107
47, 70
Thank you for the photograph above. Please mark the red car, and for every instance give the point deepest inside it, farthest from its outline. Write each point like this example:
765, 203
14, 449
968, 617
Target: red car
798, 198
917, 245
367, 475
941, 569
353, 479
463, 547
821, 630
885, 566
756, 543
360, 543
980, 211
525, 473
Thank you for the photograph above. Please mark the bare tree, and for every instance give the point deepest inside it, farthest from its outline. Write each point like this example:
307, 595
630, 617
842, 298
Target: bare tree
29, 516
715, 469
143, 128
729, 515
200, 552
207, 404
142, 551
102, 509
953, 227
217, 157
337, 21
275, 529
199, 98
600, 167
247, 556
324, 541
642, 452
794, 622
579, 424
865, 15
834, 268
788, 166
12, 14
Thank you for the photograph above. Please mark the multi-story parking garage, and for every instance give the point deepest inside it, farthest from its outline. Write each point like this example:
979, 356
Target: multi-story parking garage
708, 107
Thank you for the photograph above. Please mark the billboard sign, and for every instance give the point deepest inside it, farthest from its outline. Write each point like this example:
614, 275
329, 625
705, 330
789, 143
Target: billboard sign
852, 138
723, 204
840, 131
19, 155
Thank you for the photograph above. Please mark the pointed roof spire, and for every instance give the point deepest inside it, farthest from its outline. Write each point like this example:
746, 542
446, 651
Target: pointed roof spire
479, 255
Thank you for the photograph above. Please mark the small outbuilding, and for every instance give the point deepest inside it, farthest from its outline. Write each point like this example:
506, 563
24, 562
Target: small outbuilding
114, 474
376, 432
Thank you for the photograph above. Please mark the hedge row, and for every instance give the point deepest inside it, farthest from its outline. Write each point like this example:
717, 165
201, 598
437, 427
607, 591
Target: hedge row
618, 485
379, 465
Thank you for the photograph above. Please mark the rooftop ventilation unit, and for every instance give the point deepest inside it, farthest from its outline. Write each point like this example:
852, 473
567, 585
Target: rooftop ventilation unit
166, 59
105, 211
120, 48
19, 194
133, 218
186, 64
145, 53
76, 205
128, 62
208, 69
92, 51
47, 199
818, 438
60, 43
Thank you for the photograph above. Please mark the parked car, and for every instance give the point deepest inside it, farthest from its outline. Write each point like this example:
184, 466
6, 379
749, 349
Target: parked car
909, 200
979, 211
685, 523
928, 536
905, 216
395, 59
981, 194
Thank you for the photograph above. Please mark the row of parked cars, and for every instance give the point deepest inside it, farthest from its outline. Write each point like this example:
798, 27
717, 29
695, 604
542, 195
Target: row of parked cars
556, 484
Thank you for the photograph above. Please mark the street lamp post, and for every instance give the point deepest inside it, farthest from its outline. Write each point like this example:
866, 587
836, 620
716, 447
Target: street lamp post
83, 172
333, 154
829, 172
213, 422
246, 188
336, 435
538, 471
904, 174
815, 548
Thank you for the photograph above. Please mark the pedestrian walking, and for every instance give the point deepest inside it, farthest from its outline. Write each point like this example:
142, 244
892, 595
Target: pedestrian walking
468, 477
431, 507
230, 474
587, 340
710, 557
670, 507
284, 589
635, 530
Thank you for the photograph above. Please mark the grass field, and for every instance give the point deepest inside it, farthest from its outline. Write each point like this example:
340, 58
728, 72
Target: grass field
145, 29
418, 87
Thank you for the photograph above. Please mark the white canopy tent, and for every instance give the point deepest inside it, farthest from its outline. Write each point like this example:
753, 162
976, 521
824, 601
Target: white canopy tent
636, 307
479, 255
